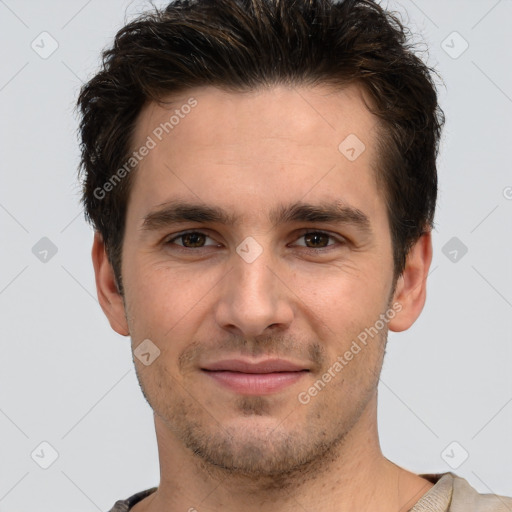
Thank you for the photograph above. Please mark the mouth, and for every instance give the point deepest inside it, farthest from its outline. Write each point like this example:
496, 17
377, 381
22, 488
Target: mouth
255, 378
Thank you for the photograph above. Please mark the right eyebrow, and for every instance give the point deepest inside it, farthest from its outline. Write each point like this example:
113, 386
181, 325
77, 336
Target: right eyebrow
174, 212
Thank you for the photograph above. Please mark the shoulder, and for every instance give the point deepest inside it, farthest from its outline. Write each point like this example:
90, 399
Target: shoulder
127, 504
465, 497
452, 493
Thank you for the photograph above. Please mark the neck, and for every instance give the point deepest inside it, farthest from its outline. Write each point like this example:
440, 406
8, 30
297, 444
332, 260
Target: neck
353, 476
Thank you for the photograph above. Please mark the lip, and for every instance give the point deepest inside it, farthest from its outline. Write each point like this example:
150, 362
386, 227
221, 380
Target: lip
244, 366
255, 378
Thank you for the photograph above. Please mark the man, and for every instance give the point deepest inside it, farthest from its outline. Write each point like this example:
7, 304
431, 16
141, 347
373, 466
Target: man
261, 177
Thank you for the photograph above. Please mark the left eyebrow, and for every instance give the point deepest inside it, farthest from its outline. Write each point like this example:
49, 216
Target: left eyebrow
329, 212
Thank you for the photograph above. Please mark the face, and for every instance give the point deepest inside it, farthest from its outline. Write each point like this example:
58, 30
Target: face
257, 256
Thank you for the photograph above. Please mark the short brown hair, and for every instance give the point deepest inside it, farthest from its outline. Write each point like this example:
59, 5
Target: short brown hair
240, 45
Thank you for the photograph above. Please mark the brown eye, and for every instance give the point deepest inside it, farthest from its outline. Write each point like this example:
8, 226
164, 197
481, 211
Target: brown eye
316, 240
193, 239
319, 242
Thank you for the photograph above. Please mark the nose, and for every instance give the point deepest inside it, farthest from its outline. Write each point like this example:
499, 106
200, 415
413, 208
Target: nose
254, 298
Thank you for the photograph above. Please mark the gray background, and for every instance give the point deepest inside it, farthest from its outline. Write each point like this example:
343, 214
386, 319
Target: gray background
67, 379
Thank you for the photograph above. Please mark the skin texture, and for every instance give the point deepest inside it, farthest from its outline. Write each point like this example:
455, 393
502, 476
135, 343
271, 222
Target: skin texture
250, 153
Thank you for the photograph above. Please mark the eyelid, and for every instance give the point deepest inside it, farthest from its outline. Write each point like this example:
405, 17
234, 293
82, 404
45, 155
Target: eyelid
170, 239
306, 231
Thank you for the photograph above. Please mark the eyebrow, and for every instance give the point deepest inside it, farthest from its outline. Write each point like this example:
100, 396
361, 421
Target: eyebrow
174, 212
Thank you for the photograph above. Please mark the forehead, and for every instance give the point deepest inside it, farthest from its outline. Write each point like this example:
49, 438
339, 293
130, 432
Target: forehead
273, 112
257, 146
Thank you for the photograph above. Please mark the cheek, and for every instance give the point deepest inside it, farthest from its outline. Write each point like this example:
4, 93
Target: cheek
346, 301
350, 325
160, 297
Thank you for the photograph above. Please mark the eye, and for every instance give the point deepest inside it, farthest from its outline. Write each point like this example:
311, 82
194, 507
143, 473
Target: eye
318, 240
311, 240
191, 240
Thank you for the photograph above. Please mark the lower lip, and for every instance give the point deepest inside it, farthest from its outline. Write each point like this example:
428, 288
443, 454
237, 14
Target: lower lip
255, 383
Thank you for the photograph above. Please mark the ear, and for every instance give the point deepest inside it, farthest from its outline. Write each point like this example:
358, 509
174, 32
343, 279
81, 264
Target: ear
109, 297
411, 286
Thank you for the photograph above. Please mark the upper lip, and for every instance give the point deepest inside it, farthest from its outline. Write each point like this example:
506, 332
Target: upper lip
267, 366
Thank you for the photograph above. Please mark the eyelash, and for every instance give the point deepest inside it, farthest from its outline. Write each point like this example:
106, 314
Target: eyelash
339, 239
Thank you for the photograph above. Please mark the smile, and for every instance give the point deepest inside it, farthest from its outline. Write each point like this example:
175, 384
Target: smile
251, 378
